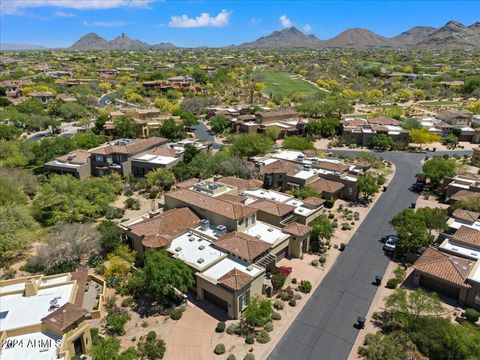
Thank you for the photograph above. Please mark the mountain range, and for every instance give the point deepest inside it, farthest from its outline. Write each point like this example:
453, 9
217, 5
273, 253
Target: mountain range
453, 35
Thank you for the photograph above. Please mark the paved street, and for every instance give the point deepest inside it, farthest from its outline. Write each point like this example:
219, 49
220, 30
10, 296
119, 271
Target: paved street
324, 329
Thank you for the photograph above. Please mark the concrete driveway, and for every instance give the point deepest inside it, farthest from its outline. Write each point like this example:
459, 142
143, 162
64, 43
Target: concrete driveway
191, 337
324, 329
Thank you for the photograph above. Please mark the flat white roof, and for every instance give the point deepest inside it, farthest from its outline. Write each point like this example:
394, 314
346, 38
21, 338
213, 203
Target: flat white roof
456, 224
306, 174
35, 346
195, 250
156, 159
63, 164
211, 231
266, 232
475, 273
228, 264
288, 155
24, 311
460, 249
300, 207
268, 194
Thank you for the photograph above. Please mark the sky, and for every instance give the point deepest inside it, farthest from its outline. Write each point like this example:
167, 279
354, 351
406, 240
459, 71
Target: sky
59, 23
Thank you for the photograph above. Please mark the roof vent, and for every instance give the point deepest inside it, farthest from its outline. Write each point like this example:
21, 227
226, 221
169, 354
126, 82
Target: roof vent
270, 229
249, 268
200, 260
201, 247
242, 193
178, 249
258, 236
300, 210
191, 238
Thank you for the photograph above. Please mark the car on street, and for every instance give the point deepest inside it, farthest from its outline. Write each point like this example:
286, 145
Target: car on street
390, 243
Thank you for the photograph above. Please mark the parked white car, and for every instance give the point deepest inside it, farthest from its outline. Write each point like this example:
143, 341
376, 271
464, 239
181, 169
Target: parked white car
390, 243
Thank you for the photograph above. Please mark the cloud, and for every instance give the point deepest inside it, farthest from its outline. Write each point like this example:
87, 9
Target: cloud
113, 23
64, 14
307, 28
203, 20
285, 21
16, 7
255, 21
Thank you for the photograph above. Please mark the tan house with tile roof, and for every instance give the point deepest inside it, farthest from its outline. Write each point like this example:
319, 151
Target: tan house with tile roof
241, 184
158, 230
243, 246
328, 188
76, 163
300, 241
273, 212
235, 216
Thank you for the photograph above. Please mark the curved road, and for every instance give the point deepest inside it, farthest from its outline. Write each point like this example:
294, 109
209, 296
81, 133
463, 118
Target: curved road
324, 329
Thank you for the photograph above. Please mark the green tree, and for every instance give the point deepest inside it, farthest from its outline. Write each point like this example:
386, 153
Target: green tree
297, 143
160, 276
71, 111
381, 142
434, 218
470, 204
258, 311
273, 132
367, 186
111, 236
125, 127
313, 128
9, 132
436, 169
422, 137
219, 123
396, 345
189, 152
161, 178
171, 130
408, 306
322, 229
248, 145
305, 192
108, 349
329, 127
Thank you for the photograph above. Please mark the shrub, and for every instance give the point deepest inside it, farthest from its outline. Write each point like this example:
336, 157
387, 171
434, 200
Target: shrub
276, 316
231, 357
263, 337
249, 356
233, 329
268, 326
132, 204
294, 280
472, 315
329, 203
315, 263
277, 281
400, 273
176, 313
392, 283
220, 327
292, 303
322, 259
305, 286
114, 213
219, 349
286, 294
278, 304
297, 297
249, 339
153, 194
144, 324
331, 215
128, 192
284, 270
346, 226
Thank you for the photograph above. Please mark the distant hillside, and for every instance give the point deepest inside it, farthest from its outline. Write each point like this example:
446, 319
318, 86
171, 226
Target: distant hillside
93, 41
18, 47
358, 38
286, 38
453, 35
413, 36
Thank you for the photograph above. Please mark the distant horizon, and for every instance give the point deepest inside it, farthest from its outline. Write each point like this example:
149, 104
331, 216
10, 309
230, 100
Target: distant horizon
216, 23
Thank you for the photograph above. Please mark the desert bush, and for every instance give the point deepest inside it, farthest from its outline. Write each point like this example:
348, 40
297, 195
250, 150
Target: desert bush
249, 339
276, 316
305, 286
220, 327
292, 303
472, 315
219, 349
268, 326
278, 304
263, 337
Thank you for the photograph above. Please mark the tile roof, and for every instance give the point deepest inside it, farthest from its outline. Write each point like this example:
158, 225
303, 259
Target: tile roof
328, 165
464, 194
232, 198
297, 229
272, 207
78, 157
81, 277
449, 268
466, 215
242, 245
235, 279
65, 316
227, 209
132, 148
159, 231
163, 151
241, 183
328, 186
187, 183
467, 236
282, 167
313, 201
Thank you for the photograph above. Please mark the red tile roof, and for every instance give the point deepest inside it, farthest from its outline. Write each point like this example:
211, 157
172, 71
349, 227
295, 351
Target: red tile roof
239, 183
328, 186
467, 236
235, 279
313, 201
272, 207
65, 316
281, 167
465, 215
297, 229
449, 268
242, 245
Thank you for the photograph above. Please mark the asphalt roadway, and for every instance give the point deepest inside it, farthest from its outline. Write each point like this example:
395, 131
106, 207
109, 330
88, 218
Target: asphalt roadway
324, 329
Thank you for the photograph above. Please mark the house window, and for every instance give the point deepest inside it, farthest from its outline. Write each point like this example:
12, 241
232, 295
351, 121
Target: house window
477, 298
98, 158
243, 300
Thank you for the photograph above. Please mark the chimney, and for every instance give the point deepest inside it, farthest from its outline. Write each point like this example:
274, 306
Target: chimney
205, 224
31, 287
